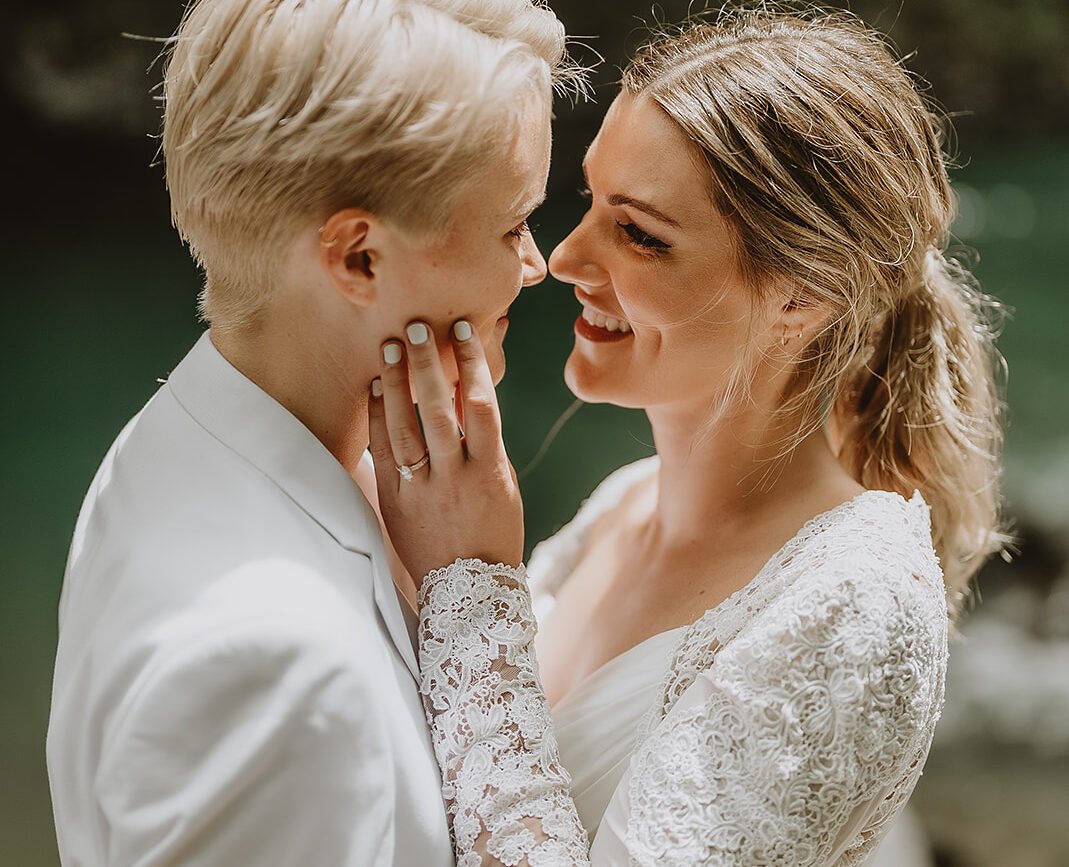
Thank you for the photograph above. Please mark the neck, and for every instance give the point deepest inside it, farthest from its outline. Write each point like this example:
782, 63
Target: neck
323, 383
719, 481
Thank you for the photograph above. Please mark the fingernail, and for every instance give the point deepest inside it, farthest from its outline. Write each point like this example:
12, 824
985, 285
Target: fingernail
391, 353
462, 330
417, 333
376, 387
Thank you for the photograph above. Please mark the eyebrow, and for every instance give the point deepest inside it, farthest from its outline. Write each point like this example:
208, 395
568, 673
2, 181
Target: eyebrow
530, 206
618, 199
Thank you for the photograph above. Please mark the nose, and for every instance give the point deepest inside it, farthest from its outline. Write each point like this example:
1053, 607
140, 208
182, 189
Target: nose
534, 264
570, 264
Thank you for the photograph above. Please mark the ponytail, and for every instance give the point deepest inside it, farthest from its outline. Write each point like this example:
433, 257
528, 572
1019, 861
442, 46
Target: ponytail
920, 411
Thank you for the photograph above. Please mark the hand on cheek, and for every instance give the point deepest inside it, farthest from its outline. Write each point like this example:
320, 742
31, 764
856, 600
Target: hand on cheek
463, 502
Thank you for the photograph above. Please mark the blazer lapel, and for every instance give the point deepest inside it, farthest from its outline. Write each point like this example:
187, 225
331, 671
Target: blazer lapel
387, 599
240, 414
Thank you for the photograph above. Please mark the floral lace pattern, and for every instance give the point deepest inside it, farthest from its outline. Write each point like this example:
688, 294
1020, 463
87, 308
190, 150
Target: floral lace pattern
792, 725
504, 785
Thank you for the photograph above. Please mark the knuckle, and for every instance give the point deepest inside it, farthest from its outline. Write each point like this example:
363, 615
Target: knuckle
393, 376
481, 405
440, 420
468, 351
422, 358
405, 442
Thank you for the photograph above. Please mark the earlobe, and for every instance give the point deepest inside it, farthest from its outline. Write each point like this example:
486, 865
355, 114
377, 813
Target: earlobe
798, 322
347, 255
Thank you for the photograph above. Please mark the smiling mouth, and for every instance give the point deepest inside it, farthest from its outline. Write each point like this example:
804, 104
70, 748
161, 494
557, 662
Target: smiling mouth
596, 326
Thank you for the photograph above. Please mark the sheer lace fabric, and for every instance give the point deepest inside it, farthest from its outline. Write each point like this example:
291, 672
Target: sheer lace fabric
790, 729
504, 785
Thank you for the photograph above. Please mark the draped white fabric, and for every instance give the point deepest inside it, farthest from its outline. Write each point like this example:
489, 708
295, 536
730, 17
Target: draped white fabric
597, 723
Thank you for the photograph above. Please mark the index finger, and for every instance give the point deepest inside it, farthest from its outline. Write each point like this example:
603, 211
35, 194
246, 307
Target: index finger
482, 418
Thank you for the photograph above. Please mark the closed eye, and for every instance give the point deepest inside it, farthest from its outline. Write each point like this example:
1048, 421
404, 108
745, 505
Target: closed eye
642, 239
520, 230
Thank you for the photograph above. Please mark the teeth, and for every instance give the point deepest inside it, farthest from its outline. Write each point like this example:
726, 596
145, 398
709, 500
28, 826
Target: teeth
600, 320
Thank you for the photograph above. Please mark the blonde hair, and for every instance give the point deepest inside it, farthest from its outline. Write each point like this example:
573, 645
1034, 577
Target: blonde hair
277, 111
828, 163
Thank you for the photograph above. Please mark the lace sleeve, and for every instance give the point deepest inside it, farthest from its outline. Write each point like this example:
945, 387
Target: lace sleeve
503, 782
796, 746
803, 739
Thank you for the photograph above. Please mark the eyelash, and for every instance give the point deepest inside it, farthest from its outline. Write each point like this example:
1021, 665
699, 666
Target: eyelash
520, 230
643, 239
635, 235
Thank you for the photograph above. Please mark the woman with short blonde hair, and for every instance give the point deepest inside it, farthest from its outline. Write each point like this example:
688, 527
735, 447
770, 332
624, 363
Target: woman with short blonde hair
234, 681
395, 106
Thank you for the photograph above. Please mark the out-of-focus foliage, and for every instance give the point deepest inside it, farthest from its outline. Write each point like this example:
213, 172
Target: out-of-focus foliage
1007, 63
1000, 69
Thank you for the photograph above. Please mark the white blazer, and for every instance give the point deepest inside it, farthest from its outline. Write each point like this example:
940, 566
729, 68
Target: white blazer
235, 682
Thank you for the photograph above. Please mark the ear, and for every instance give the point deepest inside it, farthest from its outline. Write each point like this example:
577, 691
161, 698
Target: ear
798, 321
348, 253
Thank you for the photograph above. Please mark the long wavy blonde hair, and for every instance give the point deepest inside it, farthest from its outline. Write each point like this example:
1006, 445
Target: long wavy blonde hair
829, 164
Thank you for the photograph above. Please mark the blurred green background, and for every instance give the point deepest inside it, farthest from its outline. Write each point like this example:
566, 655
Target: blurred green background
99, 304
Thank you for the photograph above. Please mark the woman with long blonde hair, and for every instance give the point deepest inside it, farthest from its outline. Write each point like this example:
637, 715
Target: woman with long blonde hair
744, 639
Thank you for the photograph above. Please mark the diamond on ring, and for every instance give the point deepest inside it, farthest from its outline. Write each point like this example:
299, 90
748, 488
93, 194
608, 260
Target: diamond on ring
406, 470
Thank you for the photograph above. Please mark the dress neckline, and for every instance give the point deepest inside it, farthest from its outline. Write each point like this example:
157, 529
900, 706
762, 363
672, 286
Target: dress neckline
639, 471
606, 668
819, 523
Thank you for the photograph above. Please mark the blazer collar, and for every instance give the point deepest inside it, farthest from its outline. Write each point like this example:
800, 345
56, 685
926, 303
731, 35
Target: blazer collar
260, 430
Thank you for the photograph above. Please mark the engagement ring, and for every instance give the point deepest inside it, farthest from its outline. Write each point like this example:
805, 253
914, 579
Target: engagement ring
406, 470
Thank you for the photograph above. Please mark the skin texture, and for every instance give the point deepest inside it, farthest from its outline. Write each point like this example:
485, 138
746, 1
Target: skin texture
725, 499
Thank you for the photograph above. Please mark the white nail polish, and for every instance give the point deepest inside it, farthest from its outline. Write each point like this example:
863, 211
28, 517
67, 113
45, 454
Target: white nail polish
376, 387
391, 353
417, 333
462, 330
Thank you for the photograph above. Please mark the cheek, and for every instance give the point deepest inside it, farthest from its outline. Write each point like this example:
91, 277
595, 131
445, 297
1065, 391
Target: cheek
486, 285
707, 311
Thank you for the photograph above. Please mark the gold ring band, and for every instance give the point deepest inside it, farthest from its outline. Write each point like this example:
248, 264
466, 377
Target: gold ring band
406, 470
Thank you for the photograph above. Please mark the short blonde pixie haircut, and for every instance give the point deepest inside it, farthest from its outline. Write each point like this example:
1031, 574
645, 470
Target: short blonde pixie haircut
279, 111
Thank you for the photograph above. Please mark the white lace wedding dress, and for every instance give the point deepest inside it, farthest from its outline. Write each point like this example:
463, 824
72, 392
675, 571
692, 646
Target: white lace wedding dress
786, 726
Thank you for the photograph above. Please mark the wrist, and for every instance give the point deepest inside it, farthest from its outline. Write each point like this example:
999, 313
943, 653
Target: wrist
459, 582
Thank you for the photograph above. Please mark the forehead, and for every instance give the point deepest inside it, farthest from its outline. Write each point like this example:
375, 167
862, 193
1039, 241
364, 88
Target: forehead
642, 152
509, 189
528, 164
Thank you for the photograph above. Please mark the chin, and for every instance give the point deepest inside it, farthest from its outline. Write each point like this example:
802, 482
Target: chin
592, 384
493, 346
496, 362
